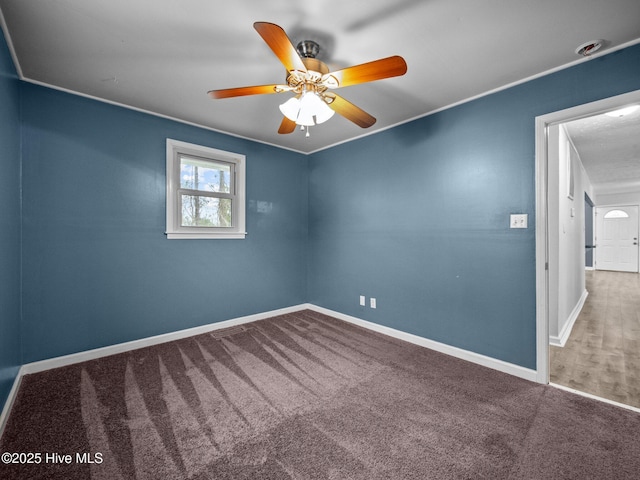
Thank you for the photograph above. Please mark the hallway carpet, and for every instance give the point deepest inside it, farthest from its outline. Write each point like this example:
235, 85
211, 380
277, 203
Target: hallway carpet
307, 396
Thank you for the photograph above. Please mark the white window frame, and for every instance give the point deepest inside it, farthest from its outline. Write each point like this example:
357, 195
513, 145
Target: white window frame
174, 229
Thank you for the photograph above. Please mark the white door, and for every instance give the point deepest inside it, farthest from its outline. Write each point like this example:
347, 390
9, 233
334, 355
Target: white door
617, 238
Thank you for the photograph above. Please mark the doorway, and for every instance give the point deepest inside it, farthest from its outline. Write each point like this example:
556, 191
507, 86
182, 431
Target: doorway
548, 195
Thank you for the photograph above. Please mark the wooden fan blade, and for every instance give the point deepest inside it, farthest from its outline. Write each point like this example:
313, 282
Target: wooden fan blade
366, 72
278, 41
349, 111
287, 126
242, 91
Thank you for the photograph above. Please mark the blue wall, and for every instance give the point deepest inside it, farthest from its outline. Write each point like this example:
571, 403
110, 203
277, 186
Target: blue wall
418, 216
9, 222
97, 267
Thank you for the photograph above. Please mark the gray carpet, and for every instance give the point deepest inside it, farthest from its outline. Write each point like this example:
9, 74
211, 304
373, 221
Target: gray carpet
307, 396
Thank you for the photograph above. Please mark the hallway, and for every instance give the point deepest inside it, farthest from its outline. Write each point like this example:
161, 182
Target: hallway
602, 355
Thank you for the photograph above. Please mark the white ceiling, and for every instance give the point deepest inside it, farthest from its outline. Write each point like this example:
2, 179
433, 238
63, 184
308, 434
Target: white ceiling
162, 56
609, 149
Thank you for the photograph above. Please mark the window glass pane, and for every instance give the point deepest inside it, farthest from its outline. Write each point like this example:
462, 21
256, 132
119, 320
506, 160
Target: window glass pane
206, 211
197, 174
616, 214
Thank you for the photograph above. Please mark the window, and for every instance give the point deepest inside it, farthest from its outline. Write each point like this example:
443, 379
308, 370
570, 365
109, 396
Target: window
205, 192
616, 214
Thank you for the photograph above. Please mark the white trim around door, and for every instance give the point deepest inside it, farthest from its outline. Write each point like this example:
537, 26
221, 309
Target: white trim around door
544, 250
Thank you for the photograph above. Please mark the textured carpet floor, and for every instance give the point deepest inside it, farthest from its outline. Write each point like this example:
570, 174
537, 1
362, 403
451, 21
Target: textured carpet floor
307, 396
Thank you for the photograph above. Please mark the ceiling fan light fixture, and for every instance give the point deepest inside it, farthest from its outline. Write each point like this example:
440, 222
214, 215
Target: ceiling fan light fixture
291, 108
305, 118
324, 113
307, 110
311, 105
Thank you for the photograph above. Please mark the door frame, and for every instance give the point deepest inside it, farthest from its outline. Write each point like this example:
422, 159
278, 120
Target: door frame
591, 208
544, 216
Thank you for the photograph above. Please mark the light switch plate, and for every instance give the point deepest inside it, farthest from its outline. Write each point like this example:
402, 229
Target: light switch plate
519, 220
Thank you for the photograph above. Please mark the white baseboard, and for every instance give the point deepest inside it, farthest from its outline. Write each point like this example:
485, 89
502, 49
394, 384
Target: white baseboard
473, 357
71, 359
561, 339
149, 341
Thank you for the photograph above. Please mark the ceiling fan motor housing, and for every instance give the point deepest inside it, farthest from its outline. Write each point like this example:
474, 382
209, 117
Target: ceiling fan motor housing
315, 65
308, 49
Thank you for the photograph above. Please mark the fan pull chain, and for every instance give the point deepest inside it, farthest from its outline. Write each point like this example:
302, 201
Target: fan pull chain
303, 129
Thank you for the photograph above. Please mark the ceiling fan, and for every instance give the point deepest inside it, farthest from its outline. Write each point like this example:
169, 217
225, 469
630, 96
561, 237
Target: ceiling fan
312, 82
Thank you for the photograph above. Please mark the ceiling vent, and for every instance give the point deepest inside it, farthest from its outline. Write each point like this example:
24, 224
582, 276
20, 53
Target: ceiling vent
588, 48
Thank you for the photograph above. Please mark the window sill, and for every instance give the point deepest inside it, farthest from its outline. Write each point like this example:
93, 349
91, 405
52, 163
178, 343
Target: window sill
205, 236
